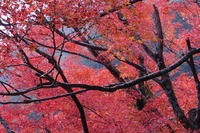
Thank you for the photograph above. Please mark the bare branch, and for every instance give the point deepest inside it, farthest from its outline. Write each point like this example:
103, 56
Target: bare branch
80, 43
158, 27
196, 79
131, 2
122, 18
6, 126
45, 99
149, 52
159, 73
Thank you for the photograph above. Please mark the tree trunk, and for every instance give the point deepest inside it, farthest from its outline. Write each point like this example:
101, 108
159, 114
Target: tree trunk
167, 87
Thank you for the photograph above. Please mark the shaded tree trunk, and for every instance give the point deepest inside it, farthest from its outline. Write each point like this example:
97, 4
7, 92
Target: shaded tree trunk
168, 89
6, 126
165, 82
194, 114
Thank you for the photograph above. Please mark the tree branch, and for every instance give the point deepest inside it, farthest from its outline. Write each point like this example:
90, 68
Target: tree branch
44, 99
149, 52
116, 86
131, 2
37, 87
156, 74
6, 126
158, 27
80, 43
196, 79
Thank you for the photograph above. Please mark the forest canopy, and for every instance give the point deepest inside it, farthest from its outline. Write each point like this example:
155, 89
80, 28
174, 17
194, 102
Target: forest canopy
106, 66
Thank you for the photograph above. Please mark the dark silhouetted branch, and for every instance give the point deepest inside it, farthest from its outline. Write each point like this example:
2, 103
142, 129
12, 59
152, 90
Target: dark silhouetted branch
5, 125
44, 99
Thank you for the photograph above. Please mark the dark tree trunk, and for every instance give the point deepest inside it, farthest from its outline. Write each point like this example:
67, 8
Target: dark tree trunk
167, 87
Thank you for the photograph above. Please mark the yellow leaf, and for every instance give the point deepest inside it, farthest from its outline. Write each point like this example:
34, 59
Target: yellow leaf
33, 48
131, 57
148, 35
123, 75
183, 14
166, 11
19, 55
117, 54
127, 4
108, 7
122, 58
139, 41
132, 38
154, 39
88, 2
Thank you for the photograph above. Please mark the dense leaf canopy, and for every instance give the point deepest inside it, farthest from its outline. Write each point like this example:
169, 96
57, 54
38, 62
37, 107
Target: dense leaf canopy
107, 66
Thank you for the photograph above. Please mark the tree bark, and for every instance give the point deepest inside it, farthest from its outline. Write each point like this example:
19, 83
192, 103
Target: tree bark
6, 126
166, 81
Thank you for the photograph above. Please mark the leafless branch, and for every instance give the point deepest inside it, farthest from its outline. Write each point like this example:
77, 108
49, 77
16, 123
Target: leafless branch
44, 99
6, 126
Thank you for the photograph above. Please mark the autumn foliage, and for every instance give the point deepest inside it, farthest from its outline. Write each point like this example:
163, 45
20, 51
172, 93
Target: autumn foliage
105, 66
